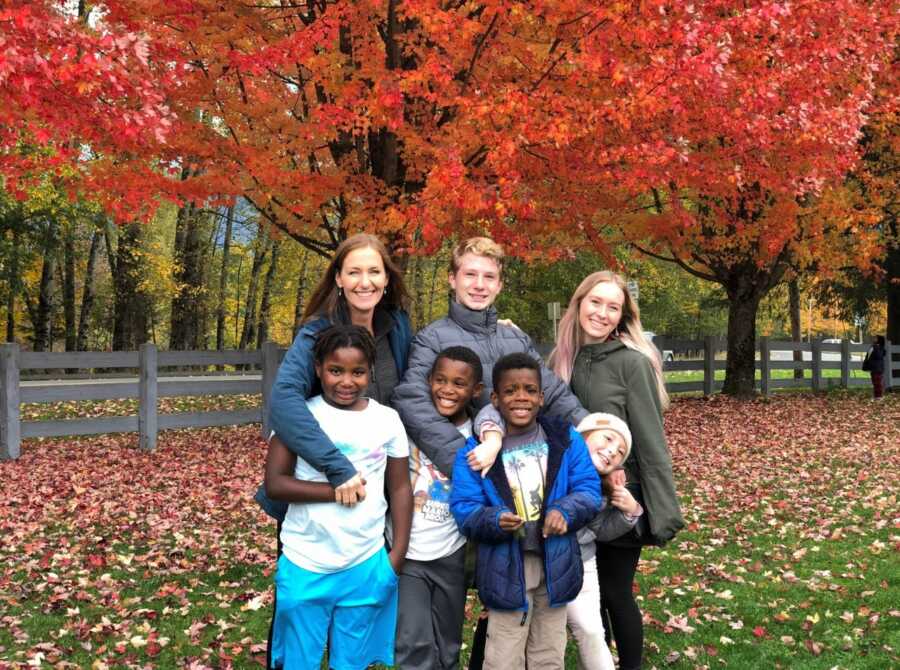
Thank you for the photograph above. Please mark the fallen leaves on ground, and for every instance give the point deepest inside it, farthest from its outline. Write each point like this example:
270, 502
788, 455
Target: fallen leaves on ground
116, 558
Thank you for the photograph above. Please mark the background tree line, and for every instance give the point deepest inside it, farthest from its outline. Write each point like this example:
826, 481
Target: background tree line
221, 277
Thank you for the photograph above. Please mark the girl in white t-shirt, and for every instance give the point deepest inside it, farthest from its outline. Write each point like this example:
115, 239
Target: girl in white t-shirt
335, 581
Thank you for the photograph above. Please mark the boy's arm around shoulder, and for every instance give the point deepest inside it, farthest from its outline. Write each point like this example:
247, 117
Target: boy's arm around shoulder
476, 517
558, 397
290, 418
434, 435
583, 499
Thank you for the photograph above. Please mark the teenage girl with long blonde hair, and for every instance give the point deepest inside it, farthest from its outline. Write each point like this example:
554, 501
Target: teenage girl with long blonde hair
602, 352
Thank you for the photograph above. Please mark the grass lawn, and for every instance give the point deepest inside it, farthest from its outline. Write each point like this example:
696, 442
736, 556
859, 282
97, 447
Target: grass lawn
113, 558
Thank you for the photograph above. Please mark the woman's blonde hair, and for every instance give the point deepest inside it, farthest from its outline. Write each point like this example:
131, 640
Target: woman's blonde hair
571, 336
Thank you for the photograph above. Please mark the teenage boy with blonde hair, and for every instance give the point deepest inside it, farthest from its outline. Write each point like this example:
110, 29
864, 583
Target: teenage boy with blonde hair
476, 280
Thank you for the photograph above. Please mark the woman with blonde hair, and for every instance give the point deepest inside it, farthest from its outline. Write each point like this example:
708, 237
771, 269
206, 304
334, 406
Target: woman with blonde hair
602, 352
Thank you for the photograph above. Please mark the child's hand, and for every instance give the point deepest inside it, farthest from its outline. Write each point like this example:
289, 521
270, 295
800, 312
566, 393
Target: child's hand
622, 499
510, 522
397, 561
615, 478
351, 491
555, 523
482, 457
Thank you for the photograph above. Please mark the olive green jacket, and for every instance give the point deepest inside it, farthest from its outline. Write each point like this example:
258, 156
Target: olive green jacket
609, 377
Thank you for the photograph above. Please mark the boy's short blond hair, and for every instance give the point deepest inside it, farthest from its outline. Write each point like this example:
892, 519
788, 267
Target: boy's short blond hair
479, 246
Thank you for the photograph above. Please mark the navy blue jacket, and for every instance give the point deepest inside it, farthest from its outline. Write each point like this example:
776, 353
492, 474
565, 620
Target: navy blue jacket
572, 487
290, 418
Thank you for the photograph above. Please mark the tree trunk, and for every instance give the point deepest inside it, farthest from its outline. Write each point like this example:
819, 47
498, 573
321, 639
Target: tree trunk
109, 240
434, 272
131, 322
223, 276
248, 334
892, 283
796, 332
43, 324
69, 290
87, 295
265, 306
415, 283
12, 286
302, 280
740, 370
188, 314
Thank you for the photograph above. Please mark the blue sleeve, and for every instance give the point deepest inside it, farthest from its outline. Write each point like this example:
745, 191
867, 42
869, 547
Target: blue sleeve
290, 418
476, 517
583, 500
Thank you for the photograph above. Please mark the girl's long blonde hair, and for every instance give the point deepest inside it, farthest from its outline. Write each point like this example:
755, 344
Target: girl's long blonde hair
570, 337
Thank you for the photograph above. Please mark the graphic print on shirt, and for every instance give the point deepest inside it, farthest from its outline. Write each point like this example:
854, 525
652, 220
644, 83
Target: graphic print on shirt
431, 489
364, 458
526, 471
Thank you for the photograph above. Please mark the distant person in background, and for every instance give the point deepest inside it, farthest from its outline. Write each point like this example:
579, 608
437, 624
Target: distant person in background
874, 364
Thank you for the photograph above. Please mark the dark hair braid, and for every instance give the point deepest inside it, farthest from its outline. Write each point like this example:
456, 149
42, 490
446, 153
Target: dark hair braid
340, 336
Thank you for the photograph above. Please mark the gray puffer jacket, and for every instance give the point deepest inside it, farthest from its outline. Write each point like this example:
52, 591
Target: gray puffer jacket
478, 330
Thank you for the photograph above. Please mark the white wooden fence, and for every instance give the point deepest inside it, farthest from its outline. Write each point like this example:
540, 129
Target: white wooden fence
703, 356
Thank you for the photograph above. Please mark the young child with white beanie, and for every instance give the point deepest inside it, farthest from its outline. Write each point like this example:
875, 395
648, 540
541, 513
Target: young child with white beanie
609, 443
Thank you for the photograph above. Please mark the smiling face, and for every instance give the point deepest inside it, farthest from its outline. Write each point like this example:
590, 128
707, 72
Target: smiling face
476, 283
363, 279
600, 311
607, 449
453, 385
518, 398
344, 374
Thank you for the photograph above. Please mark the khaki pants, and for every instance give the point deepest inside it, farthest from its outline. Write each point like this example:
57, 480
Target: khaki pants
541, 636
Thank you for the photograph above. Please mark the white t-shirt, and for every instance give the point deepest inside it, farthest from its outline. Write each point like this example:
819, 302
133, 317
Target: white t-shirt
434, 532
327, 537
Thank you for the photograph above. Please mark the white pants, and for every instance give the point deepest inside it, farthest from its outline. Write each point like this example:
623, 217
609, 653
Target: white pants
586, 624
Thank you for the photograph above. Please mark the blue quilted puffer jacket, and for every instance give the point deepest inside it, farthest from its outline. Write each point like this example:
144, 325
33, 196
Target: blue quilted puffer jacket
572, 487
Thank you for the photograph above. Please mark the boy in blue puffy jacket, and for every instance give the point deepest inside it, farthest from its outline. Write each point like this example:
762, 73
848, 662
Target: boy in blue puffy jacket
524, 516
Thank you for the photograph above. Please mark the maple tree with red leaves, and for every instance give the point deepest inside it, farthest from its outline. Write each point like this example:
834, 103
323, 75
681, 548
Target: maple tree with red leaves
712, 133
70, 90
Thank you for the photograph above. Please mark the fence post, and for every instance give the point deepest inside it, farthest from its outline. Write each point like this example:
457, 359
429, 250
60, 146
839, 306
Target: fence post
888, 376
148, 421
764, 364
10, 430
709, 365
816, 365
269, 372
845, 363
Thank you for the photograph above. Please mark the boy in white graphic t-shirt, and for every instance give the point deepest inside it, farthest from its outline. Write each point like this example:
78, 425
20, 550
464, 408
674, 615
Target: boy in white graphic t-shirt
432, 601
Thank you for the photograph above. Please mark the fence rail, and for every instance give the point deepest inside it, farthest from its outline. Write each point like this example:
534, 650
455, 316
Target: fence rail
706, 356
151, 379
149, 385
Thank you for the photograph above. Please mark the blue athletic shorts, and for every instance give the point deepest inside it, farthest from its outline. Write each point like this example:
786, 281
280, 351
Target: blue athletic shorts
354, 610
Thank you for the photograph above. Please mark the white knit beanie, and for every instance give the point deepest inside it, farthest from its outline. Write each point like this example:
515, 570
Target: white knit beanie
602, 420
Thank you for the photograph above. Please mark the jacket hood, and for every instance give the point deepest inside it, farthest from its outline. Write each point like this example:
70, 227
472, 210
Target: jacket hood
600, 350
482, 321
